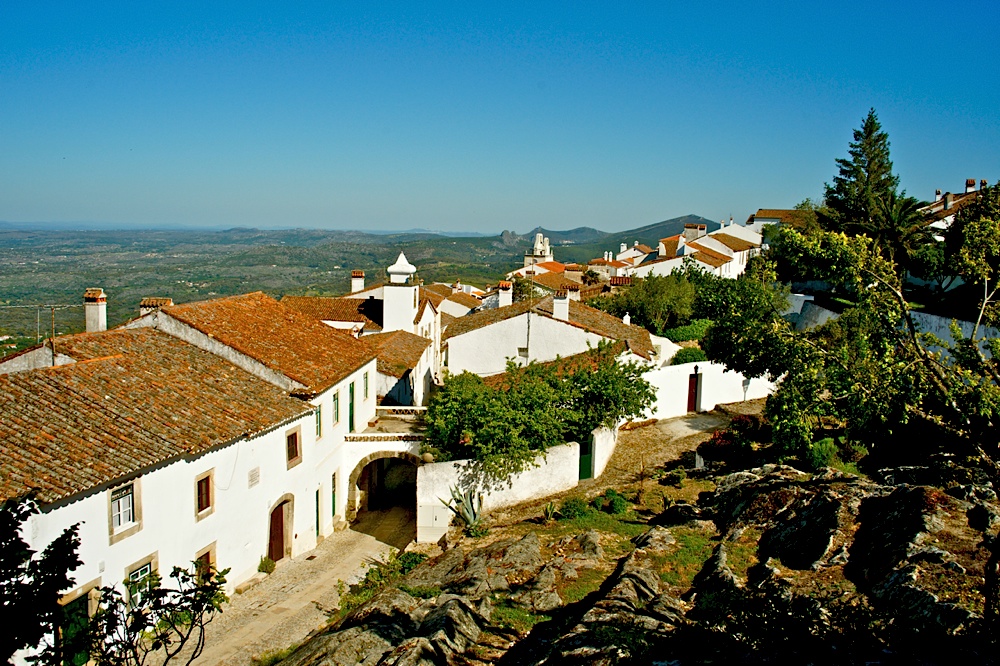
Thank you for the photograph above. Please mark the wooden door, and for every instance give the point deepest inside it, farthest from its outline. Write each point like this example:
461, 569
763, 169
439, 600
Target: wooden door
586, 460
693, 392
276, 541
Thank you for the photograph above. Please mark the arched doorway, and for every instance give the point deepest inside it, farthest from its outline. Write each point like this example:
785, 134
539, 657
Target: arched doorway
279, 529
382, 497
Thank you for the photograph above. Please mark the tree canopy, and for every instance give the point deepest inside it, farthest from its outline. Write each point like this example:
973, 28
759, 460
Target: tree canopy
657, 302
871, 370
504, 424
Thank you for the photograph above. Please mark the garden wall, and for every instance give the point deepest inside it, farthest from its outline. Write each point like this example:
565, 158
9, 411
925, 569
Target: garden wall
557, 471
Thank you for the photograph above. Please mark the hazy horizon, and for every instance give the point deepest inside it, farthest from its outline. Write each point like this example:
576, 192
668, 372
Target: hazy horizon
456, 117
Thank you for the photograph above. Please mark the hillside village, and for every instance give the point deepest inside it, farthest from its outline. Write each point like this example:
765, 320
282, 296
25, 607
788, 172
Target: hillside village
242, 430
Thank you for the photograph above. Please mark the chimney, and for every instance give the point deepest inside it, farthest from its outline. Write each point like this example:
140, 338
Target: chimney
457, 287
949, 199
506, 291
627, 320
572, 291
95, 308
937, 195
153, 304
560, 305
982, 184
693, 231
970, 185
357, 281
635, 244
623, 247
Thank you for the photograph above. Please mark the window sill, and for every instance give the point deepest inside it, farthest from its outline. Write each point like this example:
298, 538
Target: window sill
204, 514
123, 532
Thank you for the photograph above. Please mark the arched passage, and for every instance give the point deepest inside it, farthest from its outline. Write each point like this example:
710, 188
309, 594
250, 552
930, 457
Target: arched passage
382, 496
279, 528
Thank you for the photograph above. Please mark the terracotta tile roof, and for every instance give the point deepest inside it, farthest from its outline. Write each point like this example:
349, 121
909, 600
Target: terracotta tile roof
424, 303
797, 219
446, 319
367, 311
465, 300
552, 266
645, 249
282, 338
155, 302
398, 351
580, 315
563, 365
553, 281
145, 397
733, 243
574, 268
620, 281
708, 256
598, 262
438, 288
670, 245
935, 211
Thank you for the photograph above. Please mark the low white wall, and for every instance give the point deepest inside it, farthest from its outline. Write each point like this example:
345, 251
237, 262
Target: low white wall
604, 442
813, 315
557, 471
718, 385
941, 327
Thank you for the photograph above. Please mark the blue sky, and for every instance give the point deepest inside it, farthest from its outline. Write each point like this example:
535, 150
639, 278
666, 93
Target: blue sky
476, 116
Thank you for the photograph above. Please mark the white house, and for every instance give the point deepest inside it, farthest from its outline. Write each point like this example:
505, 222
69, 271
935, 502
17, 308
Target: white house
724, 252
405, 367
535, 330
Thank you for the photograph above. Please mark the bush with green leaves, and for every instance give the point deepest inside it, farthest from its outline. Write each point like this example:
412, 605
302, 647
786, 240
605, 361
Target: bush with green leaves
688, 355
572, 508
266, 565
696, 330
504, 426
822, 453
657, 303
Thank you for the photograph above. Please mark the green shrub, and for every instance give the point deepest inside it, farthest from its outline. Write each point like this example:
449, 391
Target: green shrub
549, 511
421, 592
266, 565
572, 508
694, 331
597, 503
674, 477
379, 575
822, 453
618, 505
688, 355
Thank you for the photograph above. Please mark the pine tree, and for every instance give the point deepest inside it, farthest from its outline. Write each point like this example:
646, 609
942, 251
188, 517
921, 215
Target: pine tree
864, 181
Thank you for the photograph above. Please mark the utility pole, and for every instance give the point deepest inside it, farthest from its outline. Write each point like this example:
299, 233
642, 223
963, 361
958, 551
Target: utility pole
53, 338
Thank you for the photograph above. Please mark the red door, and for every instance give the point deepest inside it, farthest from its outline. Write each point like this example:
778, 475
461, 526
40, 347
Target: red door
693, 392
276, 541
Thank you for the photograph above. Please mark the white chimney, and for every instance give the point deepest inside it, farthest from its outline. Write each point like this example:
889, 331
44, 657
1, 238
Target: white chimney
970, 185
357, 281
153, 304
573, 291
95, 308
937, 195
506, 291
560, 305
457, 287
635, 244
623, 247
626, 319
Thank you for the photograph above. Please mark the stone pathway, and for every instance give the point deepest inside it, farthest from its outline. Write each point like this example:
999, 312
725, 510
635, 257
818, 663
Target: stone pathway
298, 596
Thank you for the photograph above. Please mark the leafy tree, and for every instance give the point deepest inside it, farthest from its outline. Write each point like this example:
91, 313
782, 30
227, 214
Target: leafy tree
863, 180
606, 392
504, 425
30, 587
591, 277
870, 370
160, 624
657, 303
522, 289
163, 622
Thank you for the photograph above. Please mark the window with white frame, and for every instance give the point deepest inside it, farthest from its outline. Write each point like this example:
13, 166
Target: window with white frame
122, 507
319, 421
336, 407
366, 385
138, 583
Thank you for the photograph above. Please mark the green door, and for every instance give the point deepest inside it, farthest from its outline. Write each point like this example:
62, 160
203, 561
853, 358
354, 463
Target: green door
350, 408
73, 632
586, 460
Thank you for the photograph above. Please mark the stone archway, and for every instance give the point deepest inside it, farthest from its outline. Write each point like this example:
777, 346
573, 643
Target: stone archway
352, 482
280, 530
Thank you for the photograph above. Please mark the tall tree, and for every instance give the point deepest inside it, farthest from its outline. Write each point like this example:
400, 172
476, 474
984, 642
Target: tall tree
30, 587
862, 181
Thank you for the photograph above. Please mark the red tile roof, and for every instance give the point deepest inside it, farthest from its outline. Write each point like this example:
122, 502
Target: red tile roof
398, 351
294, 344
142, 398
367, 311
552, 266
733, 243
708, 256
465, 300
580, 316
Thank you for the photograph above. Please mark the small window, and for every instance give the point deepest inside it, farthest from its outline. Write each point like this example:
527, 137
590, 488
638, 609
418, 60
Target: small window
204, 494
336, 407
292, 448
138, 583
122, 507
366, 385
319, 421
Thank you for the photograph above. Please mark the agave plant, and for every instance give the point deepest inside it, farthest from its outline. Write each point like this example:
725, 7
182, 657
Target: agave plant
468, 506
549, 511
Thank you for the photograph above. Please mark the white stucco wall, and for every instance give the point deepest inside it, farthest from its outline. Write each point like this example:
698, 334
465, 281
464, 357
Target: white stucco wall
485, 350
33, 360
558, 471
717, 386
941, 328
604, 440
813, 315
